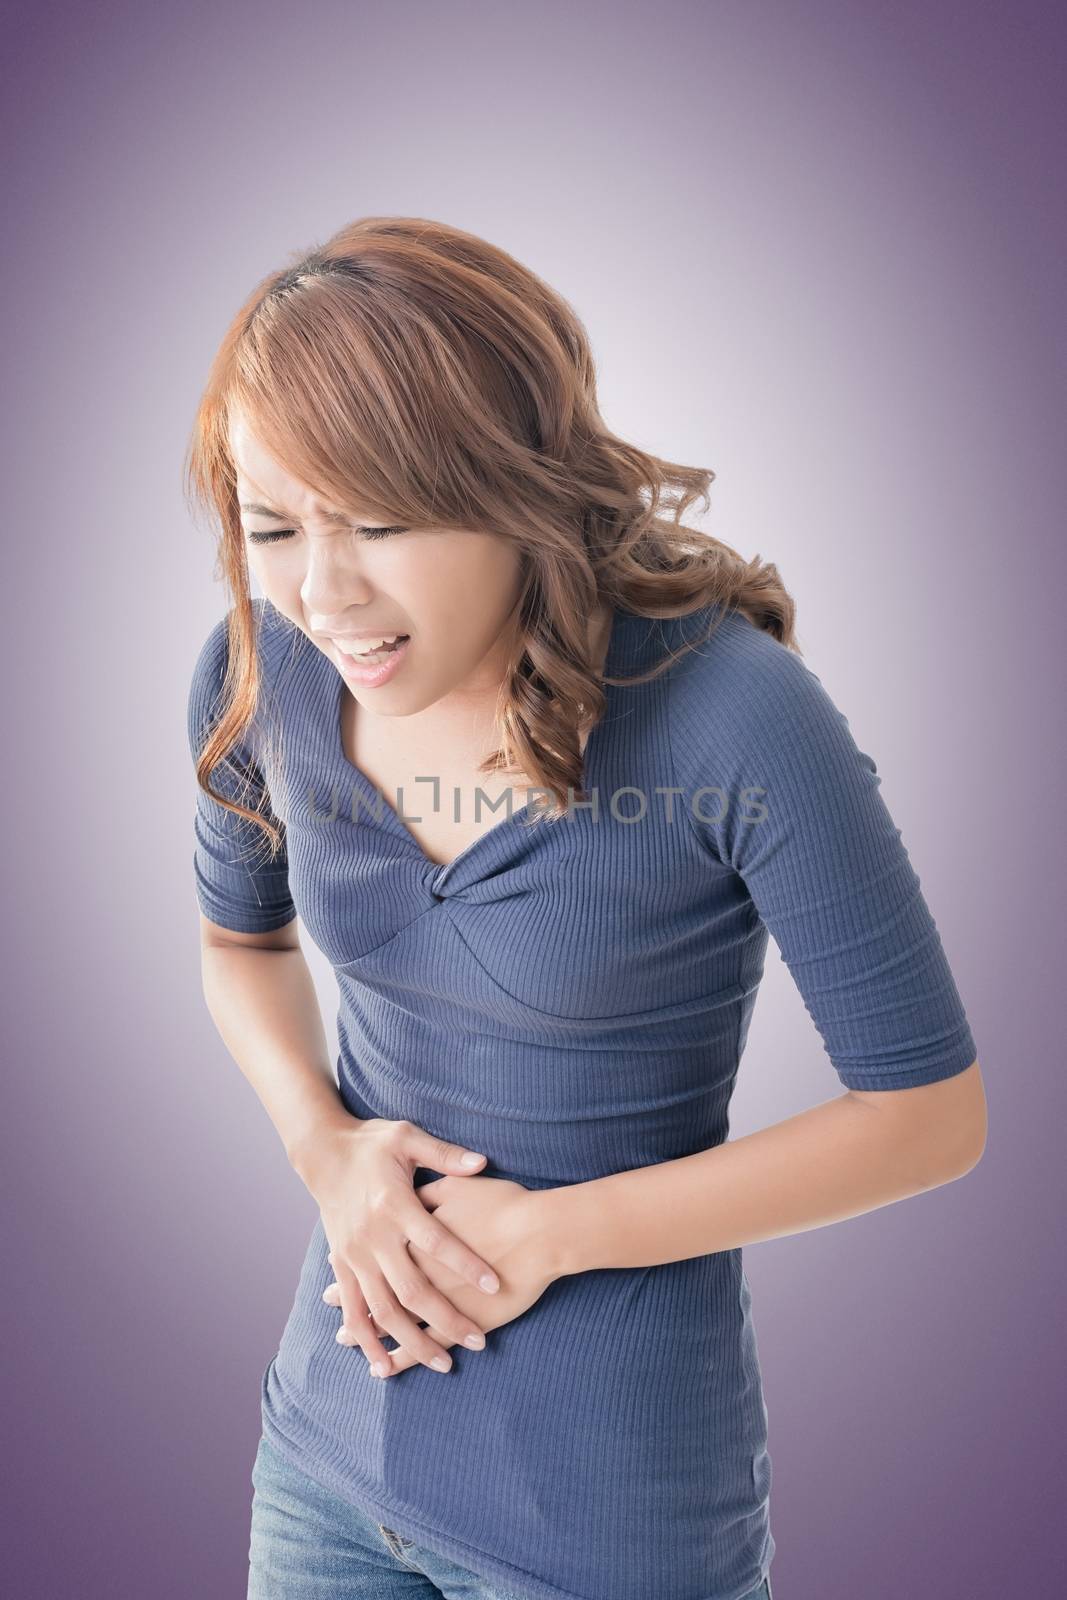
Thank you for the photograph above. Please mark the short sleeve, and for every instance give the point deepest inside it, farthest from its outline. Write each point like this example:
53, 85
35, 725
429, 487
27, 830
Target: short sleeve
795, 809
237, 885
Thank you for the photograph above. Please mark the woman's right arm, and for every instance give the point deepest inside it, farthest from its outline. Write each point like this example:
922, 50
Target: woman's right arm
262, 1000
261, 997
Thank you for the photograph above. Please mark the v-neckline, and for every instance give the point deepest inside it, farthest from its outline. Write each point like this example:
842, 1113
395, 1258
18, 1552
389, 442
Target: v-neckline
390, 817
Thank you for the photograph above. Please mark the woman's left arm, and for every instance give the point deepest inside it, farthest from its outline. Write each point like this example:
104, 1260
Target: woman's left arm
862, 1150
855, 1153
800, 819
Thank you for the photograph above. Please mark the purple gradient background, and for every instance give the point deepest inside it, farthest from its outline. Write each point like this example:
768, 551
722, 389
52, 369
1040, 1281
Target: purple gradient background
817, 249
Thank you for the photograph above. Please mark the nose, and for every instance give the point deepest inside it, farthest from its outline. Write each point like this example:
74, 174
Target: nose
332, 586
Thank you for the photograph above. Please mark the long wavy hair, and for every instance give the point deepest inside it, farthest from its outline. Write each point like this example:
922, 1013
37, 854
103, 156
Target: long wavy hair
423, 375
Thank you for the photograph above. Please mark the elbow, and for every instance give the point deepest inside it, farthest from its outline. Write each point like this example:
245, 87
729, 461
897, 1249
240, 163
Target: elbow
966, 1143
939, 1129
972, 1123
964, 1162
976, 1148
935, 1162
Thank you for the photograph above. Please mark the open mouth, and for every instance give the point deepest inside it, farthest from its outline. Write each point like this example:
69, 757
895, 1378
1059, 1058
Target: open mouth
376, 666
370, 658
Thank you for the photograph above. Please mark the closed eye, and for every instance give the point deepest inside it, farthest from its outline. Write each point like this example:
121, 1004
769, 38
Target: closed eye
287, 533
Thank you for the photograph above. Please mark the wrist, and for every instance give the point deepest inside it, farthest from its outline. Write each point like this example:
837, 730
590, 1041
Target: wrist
314, 1150
561, 1243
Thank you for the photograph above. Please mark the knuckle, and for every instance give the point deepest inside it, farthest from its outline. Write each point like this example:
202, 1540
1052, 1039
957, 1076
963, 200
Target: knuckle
406, 1290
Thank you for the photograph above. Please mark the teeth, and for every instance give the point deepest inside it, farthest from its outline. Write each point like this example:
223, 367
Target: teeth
368, 646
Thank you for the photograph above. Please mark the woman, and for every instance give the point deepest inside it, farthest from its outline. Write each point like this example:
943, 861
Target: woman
541, 769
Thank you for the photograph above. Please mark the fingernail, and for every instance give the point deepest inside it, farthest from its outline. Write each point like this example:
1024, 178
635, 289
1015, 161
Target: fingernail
475, 1341
469, 1160
442, 1363
344, 1337
377, 1369
487, 1281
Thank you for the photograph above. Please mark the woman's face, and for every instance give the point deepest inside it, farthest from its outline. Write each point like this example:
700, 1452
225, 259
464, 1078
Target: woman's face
451, 591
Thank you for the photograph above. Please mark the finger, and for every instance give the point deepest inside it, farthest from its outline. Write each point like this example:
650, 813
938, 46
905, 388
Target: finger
430, 1302
440, 1242
391, 1293
465, 1330
439, 1155
402, 1359
332, 1296
357, 1323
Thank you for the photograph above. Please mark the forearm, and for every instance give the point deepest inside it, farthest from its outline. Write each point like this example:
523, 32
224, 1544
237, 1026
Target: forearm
834, 1161
263, 1003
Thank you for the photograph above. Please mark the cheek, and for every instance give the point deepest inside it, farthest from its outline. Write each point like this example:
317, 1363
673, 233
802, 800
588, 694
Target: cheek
280, 582
261, 568
471, 589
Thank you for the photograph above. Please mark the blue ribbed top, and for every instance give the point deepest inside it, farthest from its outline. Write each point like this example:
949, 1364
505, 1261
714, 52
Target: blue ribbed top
573, 999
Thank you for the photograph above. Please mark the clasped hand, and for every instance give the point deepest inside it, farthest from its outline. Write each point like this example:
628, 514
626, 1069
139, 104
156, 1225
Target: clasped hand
386, 1282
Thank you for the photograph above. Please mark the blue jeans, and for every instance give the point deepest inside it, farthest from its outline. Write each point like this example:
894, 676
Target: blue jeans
307, 1544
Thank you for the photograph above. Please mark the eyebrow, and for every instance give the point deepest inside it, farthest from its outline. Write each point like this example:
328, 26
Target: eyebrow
256, 510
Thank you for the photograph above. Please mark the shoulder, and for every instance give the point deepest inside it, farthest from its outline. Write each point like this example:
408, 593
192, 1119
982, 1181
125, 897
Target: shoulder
751, 721
744, 691
273, 635
205, 687
748, 717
